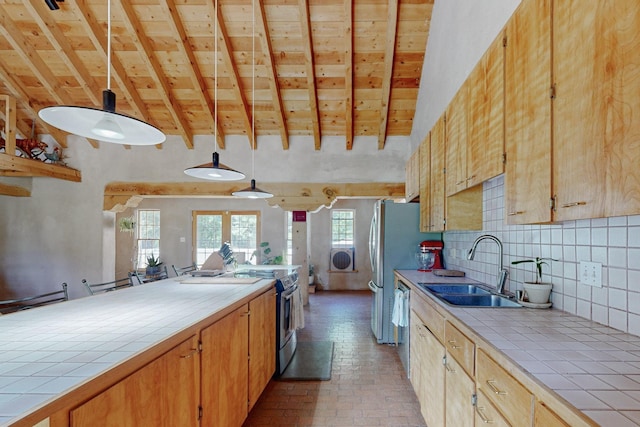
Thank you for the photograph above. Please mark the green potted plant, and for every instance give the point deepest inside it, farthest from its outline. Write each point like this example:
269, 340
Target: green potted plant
264, 253
154, 266
538, 291
127, 223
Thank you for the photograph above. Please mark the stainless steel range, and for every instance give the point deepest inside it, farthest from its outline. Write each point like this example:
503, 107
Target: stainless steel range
286, 340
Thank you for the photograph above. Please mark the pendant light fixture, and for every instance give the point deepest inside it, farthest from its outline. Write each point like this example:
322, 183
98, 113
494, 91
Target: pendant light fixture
253, 192
215, 170
103, 124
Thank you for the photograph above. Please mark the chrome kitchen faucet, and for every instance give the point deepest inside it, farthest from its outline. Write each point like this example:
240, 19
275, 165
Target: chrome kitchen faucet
502, 272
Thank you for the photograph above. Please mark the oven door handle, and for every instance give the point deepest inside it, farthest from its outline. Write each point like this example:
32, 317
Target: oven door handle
289, 295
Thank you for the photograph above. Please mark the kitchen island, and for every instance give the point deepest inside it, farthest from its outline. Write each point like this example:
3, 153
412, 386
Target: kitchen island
57, 359
566, 370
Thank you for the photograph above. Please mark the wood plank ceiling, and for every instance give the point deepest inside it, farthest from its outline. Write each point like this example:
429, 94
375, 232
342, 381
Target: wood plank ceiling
322, 67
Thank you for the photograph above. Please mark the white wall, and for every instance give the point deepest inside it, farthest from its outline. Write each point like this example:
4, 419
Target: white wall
60, 234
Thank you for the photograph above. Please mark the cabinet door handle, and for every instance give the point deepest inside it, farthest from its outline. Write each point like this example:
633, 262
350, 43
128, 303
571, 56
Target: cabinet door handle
446, 366
452, 344
460, 182
472, 177
483, 417
514, 213
572, 204
190, 354
496, 390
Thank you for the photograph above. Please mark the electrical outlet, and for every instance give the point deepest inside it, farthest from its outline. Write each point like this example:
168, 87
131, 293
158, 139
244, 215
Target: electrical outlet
591, 273
183, 239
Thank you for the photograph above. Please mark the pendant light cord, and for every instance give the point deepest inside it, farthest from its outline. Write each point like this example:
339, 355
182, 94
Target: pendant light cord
253, 89
108, 44
215, 77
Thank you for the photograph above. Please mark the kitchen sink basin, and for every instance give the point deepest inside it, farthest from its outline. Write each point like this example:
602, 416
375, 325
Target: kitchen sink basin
467, 295
488, 300
464, 289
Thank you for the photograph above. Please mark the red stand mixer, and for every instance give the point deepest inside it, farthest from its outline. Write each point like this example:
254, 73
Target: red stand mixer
429, 255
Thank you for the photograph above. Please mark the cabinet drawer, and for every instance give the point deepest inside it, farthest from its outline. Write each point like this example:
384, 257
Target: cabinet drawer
486, 413
504, 391
428, 315
460, 347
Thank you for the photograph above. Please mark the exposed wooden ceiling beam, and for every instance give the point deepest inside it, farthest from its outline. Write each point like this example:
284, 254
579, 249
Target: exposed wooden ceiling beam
225, 49
31, 107
31, 58
147, 54
42, 16
305, 26
9, 124
297, 196
265, 42
348, 75
392, 25
194, 72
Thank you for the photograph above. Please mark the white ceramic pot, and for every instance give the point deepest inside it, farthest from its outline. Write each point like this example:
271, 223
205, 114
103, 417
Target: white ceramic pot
537, 293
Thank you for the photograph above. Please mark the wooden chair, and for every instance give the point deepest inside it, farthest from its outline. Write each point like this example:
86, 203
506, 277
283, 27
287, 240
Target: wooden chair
13, 305
185, 270
114, 285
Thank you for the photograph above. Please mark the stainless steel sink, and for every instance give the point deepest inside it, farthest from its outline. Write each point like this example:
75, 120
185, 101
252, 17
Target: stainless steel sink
467, 295
478, 300
457, 288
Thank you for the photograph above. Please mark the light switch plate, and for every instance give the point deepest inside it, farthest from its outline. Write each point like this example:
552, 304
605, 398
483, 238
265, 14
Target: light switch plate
591, 273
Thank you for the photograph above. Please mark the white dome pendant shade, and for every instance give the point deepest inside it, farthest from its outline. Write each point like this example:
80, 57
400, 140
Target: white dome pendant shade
104, 125
215, 171
252, 192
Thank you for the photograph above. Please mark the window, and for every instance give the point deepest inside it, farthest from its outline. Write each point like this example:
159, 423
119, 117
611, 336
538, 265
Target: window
342, 228
148, 236
213, 228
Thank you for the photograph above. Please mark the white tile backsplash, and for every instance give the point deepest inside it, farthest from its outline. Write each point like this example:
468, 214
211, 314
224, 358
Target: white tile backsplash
613, 242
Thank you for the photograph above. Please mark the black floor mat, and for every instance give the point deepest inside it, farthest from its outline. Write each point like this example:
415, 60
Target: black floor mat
311, 362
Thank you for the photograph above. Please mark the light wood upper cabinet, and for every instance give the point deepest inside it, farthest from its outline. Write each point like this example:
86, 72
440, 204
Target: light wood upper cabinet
596, 146
162, 393
262, 343
437, 184
485, 142
456, 137
412, 173
425, 180
528, 114
225, 370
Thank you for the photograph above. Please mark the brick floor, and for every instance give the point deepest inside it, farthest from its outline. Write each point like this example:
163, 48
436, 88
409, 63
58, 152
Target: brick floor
368, 385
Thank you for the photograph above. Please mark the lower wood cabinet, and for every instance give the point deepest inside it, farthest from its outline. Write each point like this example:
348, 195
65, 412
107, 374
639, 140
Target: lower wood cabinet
486, 413
213, 379
163, 393
505, 392
543, 417
262, 344
427, 372
225, 370
459, 392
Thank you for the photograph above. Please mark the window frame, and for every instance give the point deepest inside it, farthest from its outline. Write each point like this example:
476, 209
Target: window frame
142, 254
353, 229
226, 227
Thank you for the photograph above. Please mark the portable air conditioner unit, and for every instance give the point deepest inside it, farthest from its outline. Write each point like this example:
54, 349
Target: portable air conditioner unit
342, 259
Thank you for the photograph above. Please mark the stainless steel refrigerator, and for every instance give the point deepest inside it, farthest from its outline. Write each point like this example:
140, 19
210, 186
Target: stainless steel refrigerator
394, 237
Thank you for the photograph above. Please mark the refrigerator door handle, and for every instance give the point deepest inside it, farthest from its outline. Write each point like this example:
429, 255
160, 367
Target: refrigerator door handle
373, 287
372, 230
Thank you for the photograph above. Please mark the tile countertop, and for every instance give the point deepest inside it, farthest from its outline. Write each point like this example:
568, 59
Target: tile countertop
50, 351
594, 367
